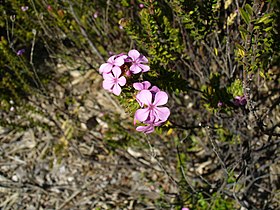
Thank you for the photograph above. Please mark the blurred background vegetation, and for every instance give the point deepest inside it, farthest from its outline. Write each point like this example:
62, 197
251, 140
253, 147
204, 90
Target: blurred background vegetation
215, 153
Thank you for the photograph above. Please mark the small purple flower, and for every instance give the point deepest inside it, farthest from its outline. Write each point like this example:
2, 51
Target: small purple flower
95, 15
243, 101
115, 60
20, 52
152, 111
113, 81
220, 104
240, 101
137, 59
24, 8
236, 101
49, 8
185, 208
141, 6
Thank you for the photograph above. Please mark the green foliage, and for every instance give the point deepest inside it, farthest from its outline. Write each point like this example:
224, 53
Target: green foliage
216, 203
213, 93
16, 78
201, 201
221, 203
245, 15
236, 88
160, 39
224, 135
257, 50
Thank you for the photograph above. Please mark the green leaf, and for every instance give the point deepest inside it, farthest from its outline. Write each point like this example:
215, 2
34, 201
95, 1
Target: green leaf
240, 46
264, 19
268, 29
125, 3
249, 9
245, 16
243, 32
262, 74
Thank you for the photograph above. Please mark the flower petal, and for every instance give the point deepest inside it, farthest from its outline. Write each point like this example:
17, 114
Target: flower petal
150, 130
151, 118
138, 86
162, 113
107, 84
142, 85
105, 68
119, 61
123, 55
158, 123
116, 71
145, 97
108, 76
135, 68
146, 85
139, 102
154, 89
117, 89
161, 98
122, 81
141, 128
142, 114
143, 59
144, 68
145, 129
134, 54
111, 59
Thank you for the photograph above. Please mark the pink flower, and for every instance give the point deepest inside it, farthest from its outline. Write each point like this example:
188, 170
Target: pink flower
240, 101
243, 101
24, 8
95, 15
145, 86
153, 111
220, 104
185, 208
142, 85
20, 52
115, 60
150, 127
137, 59
113, 81
49, 7
141, 6
128, 73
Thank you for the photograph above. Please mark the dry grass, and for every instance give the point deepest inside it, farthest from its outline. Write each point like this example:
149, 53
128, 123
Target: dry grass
37, 174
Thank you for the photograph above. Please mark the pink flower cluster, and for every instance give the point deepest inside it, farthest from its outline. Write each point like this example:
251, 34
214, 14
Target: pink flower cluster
151, 100
115, 73
116, 66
